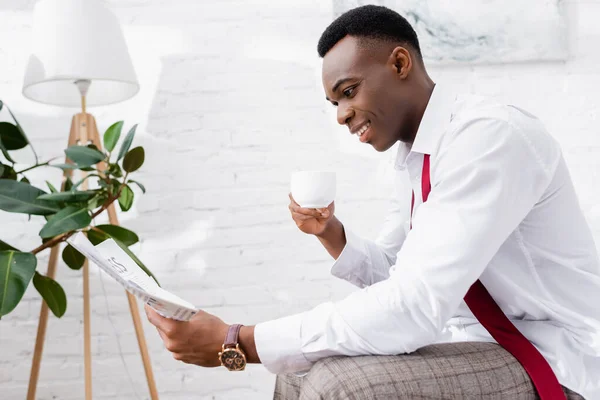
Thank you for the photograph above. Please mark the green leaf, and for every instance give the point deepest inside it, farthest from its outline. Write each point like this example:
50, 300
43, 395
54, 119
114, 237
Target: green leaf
11, 137
20, 197
68, 184
133, 159
127, 142
24, 179
52, 188
139, 184
65, 166
69, 197
5, 152
96, 202
52, 293
6, 246
115, 186
72, 257
16, 271
83, 156
96, 237
23, 134
126, 198
68, 219
9, 173
112, 135
137, 260
118, 232
115, 170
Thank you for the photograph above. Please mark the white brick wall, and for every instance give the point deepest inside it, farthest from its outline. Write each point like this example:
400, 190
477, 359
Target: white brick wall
230, 104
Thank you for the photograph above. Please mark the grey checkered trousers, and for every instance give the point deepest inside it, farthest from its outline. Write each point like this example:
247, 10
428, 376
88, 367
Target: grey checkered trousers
467, 370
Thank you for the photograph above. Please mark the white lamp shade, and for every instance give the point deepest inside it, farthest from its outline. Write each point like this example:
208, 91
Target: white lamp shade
74, 40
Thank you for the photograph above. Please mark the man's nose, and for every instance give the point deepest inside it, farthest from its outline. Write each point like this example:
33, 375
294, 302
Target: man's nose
344, 114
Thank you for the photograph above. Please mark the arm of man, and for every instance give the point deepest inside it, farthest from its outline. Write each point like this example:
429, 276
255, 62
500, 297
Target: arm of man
484, 183
364, 262
199, 340
359, 261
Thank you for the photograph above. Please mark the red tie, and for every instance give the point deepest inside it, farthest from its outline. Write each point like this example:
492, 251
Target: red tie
489, 314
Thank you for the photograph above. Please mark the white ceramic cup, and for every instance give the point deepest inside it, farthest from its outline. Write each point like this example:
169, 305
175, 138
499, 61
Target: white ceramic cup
313, 189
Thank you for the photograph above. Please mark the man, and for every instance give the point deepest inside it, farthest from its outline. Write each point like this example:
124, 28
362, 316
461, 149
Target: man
494, 230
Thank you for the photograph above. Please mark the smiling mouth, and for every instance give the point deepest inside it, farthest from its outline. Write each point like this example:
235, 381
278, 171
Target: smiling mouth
363, 129
363, 132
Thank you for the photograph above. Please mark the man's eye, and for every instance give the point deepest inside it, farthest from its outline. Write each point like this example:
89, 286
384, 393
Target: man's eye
348, 92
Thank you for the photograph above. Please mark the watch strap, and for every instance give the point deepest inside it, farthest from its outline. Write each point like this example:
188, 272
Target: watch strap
233, 334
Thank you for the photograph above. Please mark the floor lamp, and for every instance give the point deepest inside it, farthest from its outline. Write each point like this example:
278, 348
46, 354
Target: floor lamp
80, 58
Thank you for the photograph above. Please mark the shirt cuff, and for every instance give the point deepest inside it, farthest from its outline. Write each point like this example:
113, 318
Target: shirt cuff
350, 259
279, 345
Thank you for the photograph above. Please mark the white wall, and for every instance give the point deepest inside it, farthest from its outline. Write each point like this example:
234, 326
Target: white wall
230, 104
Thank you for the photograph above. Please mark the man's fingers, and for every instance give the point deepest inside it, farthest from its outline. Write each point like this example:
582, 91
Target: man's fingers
165, 325
153, 316
324, 212
292, 199
162, 335
306, 211
301, 217
295, 207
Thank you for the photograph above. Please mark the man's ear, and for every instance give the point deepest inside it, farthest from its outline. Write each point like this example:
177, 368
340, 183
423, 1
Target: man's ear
401, 61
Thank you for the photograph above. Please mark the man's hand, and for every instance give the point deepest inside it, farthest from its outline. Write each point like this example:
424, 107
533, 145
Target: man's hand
197, 341
310, 220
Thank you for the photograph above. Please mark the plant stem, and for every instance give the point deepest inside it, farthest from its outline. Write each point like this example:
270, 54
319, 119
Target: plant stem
61, 238
30, 168
36, 165
123, 184
50, 243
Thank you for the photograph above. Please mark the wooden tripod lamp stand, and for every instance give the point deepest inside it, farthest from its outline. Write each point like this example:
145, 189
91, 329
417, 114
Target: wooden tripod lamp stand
80, 58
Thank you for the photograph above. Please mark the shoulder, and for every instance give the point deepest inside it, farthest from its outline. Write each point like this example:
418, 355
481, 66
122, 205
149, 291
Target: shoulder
493, 123
469, 109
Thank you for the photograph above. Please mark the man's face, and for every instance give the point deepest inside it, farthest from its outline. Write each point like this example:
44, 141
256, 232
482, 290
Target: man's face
371, 96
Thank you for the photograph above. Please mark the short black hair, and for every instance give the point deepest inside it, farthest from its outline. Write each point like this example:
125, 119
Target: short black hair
374, 22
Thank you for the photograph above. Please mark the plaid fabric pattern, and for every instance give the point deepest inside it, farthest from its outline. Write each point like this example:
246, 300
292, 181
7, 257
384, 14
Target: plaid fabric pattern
469, 370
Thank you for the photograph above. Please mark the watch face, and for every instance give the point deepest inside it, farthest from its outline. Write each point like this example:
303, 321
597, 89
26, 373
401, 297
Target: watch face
233, 359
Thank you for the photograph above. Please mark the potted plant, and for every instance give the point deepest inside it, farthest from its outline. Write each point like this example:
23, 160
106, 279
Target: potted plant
65, 211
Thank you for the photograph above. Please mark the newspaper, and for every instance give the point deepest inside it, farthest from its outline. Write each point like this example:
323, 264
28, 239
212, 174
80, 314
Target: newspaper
118, 265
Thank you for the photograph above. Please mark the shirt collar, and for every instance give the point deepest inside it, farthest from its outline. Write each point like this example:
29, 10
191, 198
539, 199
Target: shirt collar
437, 114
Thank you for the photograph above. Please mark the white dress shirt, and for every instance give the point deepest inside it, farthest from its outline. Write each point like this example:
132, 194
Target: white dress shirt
502, 209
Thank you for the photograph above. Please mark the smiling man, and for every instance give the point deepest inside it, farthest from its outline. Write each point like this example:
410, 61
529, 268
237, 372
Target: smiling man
485, 285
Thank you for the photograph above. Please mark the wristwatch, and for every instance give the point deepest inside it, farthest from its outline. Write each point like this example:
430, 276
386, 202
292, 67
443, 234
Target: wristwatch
232, 356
